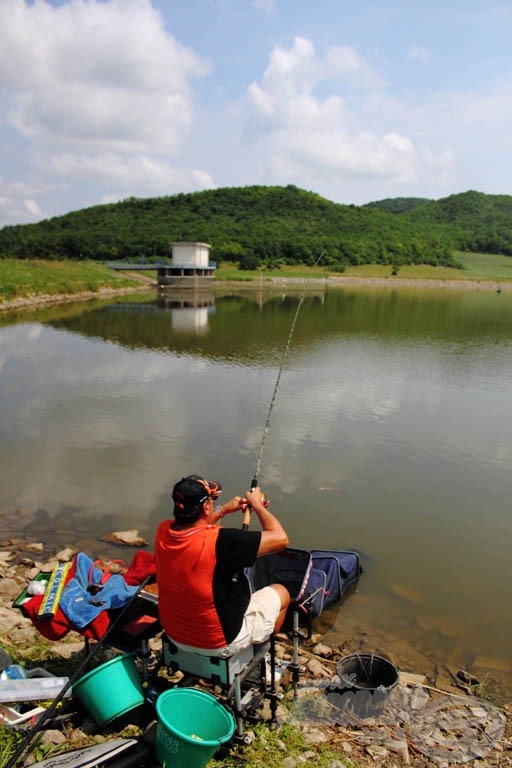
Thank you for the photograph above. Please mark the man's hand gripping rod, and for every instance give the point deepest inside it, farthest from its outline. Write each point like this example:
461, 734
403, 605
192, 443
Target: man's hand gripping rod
247, 514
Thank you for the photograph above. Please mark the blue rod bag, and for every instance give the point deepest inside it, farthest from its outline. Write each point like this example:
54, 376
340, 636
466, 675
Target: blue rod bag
315, 579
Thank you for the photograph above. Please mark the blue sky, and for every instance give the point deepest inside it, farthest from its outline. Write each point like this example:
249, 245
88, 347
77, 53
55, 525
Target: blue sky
357, 101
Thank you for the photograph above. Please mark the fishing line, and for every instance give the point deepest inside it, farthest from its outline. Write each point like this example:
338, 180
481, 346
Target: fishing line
254, 481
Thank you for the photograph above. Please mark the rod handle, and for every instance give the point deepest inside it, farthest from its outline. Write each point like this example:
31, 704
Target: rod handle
247, 515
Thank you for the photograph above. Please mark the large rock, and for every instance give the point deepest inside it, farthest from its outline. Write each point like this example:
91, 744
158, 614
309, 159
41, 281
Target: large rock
53, 736
25, 635
130, 538
66, 650
65, 555
320, 649
9, 588
314, 736
35, 546
317, 668
9, 618
377, 752
5, 559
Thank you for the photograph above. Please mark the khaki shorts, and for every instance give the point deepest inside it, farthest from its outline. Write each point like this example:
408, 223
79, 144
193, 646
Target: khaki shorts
257, 625
259, 620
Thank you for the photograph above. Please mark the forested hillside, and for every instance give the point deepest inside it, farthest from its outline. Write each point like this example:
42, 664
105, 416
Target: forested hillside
482, 223
478, 222
263, 225
248, 225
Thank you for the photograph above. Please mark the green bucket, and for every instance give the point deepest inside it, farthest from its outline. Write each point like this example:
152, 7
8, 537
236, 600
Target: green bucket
191, 727
111, 690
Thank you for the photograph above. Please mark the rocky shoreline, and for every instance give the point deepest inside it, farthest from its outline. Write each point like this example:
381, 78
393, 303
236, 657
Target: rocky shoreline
339, 281
46, 300
420, 725
394, 281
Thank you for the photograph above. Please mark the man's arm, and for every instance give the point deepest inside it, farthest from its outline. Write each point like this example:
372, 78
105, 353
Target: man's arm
273, 536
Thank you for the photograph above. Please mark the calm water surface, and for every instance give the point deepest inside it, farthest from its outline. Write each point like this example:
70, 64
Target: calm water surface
391, 434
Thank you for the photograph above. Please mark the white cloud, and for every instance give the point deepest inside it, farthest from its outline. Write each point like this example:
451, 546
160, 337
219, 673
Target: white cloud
33, 208
300, 130
136, 174
17, 204
98, 100
98, 74
94, 90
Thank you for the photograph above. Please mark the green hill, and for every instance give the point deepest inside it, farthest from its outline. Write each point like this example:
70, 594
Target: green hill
478, 223
263, 225
249, 225
481, 223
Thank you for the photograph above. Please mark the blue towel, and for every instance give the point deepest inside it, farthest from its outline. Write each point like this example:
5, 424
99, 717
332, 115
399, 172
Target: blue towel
84, 597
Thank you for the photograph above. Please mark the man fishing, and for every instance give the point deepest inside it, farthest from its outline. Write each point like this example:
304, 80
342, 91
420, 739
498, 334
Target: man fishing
204, 600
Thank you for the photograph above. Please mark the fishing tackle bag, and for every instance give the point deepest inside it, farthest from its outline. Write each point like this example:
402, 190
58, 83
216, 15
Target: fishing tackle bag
315, 579
332, 573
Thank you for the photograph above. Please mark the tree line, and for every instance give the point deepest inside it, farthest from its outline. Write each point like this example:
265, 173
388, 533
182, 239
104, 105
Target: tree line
263, 226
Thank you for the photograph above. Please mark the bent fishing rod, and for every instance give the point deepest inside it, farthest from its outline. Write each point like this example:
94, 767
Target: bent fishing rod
254, 481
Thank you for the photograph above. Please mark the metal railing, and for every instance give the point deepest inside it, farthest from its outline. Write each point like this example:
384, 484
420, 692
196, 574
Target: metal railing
154, 265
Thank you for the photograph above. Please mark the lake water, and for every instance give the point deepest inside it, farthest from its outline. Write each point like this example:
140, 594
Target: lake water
391, 434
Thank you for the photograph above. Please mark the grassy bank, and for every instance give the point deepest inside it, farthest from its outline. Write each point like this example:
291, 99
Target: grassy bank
26, 278
486, 266
23, 278
476, 266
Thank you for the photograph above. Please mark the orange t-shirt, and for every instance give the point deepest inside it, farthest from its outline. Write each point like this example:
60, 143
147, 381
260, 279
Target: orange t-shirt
202, 597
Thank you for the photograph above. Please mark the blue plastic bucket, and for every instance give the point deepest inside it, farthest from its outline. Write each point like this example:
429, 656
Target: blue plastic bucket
191, 727
111, 690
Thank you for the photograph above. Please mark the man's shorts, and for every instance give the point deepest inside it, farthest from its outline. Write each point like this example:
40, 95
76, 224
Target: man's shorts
257, 625
258, 622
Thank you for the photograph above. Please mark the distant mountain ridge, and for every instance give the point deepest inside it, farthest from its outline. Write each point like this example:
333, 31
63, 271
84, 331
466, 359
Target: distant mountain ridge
267, 226
398, 204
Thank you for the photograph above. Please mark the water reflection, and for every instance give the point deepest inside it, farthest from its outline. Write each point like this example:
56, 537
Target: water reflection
392, 434
466, 321
190, 310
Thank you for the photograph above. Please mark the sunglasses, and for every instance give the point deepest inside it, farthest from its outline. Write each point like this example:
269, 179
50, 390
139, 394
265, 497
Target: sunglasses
209, 493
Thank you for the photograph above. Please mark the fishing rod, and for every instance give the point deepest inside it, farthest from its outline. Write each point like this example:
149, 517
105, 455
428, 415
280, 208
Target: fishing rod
254, 481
